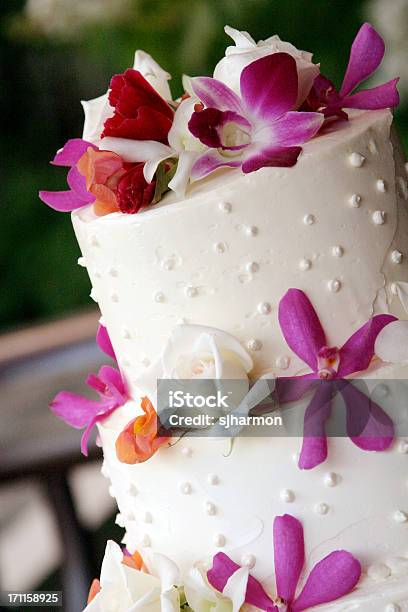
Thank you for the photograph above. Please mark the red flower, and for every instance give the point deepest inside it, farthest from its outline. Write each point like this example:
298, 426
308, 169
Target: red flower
140, 113
133, 191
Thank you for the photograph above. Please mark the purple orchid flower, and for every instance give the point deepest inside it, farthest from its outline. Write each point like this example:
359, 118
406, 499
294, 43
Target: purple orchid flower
80, 412
367, 424
257, 129
77, 196
333, 577
366, 55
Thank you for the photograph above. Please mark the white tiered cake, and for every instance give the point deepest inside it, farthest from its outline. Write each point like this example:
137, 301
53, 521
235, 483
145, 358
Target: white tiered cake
335, 226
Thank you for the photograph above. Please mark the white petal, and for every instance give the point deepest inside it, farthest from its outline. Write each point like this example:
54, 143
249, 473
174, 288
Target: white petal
186, 81
236, 587
150, 166
153, 73
135, 150
180, 180
180, 137
112, 567
166, 571
97, 111
392, 343
242, 39
402, 292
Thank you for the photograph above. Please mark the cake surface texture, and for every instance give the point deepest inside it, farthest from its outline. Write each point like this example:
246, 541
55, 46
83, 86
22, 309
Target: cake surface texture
261, 235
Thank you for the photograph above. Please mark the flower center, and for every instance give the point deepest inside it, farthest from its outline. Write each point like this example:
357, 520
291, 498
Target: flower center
327, 362
234, 137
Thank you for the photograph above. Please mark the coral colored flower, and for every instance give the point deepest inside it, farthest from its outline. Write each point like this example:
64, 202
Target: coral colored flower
367, 425
102, 171
366, 55
257, 129
333, 577
80, 412
133, 191
78, 195
94, 590
139, 441
140, 112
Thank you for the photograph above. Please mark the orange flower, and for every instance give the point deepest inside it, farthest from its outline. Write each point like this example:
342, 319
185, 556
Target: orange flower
94, 590
138, 441
135, 561
102, 171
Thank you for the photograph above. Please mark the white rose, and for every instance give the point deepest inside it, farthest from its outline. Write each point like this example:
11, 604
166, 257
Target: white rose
124, 589
246, 50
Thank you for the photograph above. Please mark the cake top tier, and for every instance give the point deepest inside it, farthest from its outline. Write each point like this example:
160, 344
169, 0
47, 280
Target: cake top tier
263, 103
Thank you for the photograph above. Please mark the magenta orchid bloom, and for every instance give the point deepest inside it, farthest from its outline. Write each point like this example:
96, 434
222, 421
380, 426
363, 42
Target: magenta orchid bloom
80, 412
367, 424
366, 55
257, 129
77, 196
333, 577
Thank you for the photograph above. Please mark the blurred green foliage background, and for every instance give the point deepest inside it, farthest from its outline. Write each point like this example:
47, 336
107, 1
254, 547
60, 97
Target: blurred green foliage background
56, 52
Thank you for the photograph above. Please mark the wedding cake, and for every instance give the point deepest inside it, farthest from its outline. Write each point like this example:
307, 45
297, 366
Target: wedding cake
254, 229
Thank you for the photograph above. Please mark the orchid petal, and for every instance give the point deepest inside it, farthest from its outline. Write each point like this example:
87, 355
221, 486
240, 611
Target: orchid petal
294, 128
293, 388
269, 86
135, 150
77, 184
289, 554
206, 125
368, 426
210, 161
96, 112
87, 433
180, 180
223, 568
112, 378
284, 157
356, 354
153, 73
301, 327
214, 94
383, 96
62, 201
180, 138
71, 152
332, 578
150, 167
366, 55
391, 344
104, 342
314, 447
242, 39
74, 409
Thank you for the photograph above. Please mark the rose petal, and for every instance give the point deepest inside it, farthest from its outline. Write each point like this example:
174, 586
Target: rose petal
214, 94
366, 55
294, 128
104, 342
210, 161
71, 151
301, 327
148, 125
356, 354
284, 157
289, 554
391, 344
269, 86
62, 201
314, 447
332, 578
383, 96
74, 409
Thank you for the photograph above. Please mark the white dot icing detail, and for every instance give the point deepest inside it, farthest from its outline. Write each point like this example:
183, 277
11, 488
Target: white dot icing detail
167, 264
248, 561
220, 247
219, 540
225, 207
337, 251
400, 516
334, 285
264, 308
191, 291
403, 447
396, 257
305, 264
331, 479
355, 200
252, 266
185, 488
282, 362
210, 509
309, 219
378, 217
321, 508
378, 571
132, 490
82, 262
356, 160
114, 297
213, 479
254, 345
93, 240
113, 272
93, 295
287, 496
251, 230
186, 451
381, 185
148, 518
146, 541
372, 146
125, 333
159, 297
